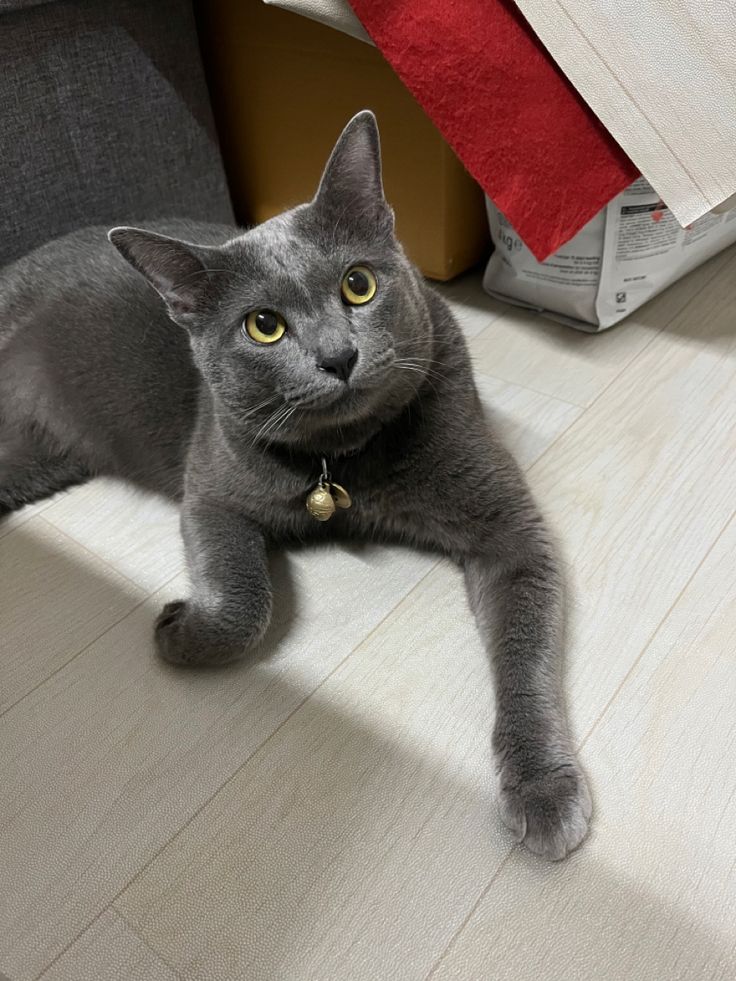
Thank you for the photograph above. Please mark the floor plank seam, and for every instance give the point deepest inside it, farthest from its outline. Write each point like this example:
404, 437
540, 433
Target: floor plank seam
129, 926
656, 333
554, 442
477, 370
39, 509
251, 756
617, 377
144, 599
484, 892
485, 326
653, 635
70, 944
79, 653
91, 552
100, 913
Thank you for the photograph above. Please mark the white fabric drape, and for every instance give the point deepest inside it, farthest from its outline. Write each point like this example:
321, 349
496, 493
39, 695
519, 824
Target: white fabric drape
661, 77
335, 13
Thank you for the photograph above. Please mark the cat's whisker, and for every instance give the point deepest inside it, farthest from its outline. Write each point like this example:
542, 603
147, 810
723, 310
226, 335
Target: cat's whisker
425, 364
428, 373
407, 349
274, 422
252, 410
419, 362
415, 343
264, 427
284, 420
424, 360
400, 367
418, 371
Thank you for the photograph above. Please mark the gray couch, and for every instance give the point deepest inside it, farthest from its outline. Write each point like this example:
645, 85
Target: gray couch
104, 118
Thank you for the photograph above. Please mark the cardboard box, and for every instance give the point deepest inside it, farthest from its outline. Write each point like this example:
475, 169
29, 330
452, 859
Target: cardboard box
282, 89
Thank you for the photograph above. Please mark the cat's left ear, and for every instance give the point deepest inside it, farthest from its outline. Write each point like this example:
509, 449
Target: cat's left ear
178, 271
351, 184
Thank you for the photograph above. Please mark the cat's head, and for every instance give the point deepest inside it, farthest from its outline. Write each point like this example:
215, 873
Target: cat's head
302, 324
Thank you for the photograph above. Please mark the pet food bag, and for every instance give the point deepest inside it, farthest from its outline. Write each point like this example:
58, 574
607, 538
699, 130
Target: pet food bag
633, 249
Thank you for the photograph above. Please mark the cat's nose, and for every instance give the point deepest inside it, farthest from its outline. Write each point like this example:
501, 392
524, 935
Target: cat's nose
341, 364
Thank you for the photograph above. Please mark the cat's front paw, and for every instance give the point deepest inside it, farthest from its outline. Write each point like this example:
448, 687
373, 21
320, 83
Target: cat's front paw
549, 811
185, 637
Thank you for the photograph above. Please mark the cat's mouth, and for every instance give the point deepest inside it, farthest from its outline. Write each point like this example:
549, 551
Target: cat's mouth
342, 413
343, 397
342, 401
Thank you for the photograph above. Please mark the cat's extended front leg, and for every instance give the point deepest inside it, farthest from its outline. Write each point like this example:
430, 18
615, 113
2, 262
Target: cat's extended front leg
517, 595
230, 606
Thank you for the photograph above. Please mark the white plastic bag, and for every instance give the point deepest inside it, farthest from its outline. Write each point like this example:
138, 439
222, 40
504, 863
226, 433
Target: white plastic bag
632, 250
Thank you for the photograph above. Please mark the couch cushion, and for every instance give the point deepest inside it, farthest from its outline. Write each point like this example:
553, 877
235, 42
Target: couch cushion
6, 5
105, 119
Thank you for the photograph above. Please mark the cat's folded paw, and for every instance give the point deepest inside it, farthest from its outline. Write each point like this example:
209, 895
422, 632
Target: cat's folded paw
187, 638
548, 812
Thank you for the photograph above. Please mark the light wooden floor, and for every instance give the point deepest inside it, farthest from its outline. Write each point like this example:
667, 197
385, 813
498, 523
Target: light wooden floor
328, 813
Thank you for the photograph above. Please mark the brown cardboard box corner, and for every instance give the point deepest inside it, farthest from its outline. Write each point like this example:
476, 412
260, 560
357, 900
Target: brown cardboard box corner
283, 87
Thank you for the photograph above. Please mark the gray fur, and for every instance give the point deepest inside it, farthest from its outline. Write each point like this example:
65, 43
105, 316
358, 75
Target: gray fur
95, 378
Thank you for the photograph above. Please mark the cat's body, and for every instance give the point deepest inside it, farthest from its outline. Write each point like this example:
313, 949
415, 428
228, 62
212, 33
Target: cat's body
48, 361
117, 347
95, 378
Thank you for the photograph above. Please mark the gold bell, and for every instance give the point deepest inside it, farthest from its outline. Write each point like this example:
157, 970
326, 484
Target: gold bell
325, 498
321, 504
340, 496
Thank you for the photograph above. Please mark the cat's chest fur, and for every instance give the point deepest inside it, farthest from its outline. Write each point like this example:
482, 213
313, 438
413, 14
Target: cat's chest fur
272, 487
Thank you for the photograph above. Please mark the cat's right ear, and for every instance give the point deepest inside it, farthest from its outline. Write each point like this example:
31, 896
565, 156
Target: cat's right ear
178, 271
351, 185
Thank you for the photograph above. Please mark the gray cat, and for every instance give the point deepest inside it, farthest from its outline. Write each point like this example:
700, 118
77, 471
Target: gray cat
307, 362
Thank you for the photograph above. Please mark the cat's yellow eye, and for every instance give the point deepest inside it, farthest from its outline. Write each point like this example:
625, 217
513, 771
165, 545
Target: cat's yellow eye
358, 285
264, 326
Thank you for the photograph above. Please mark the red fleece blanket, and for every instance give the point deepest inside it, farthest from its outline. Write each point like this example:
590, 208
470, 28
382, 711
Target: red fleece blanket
517, 124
